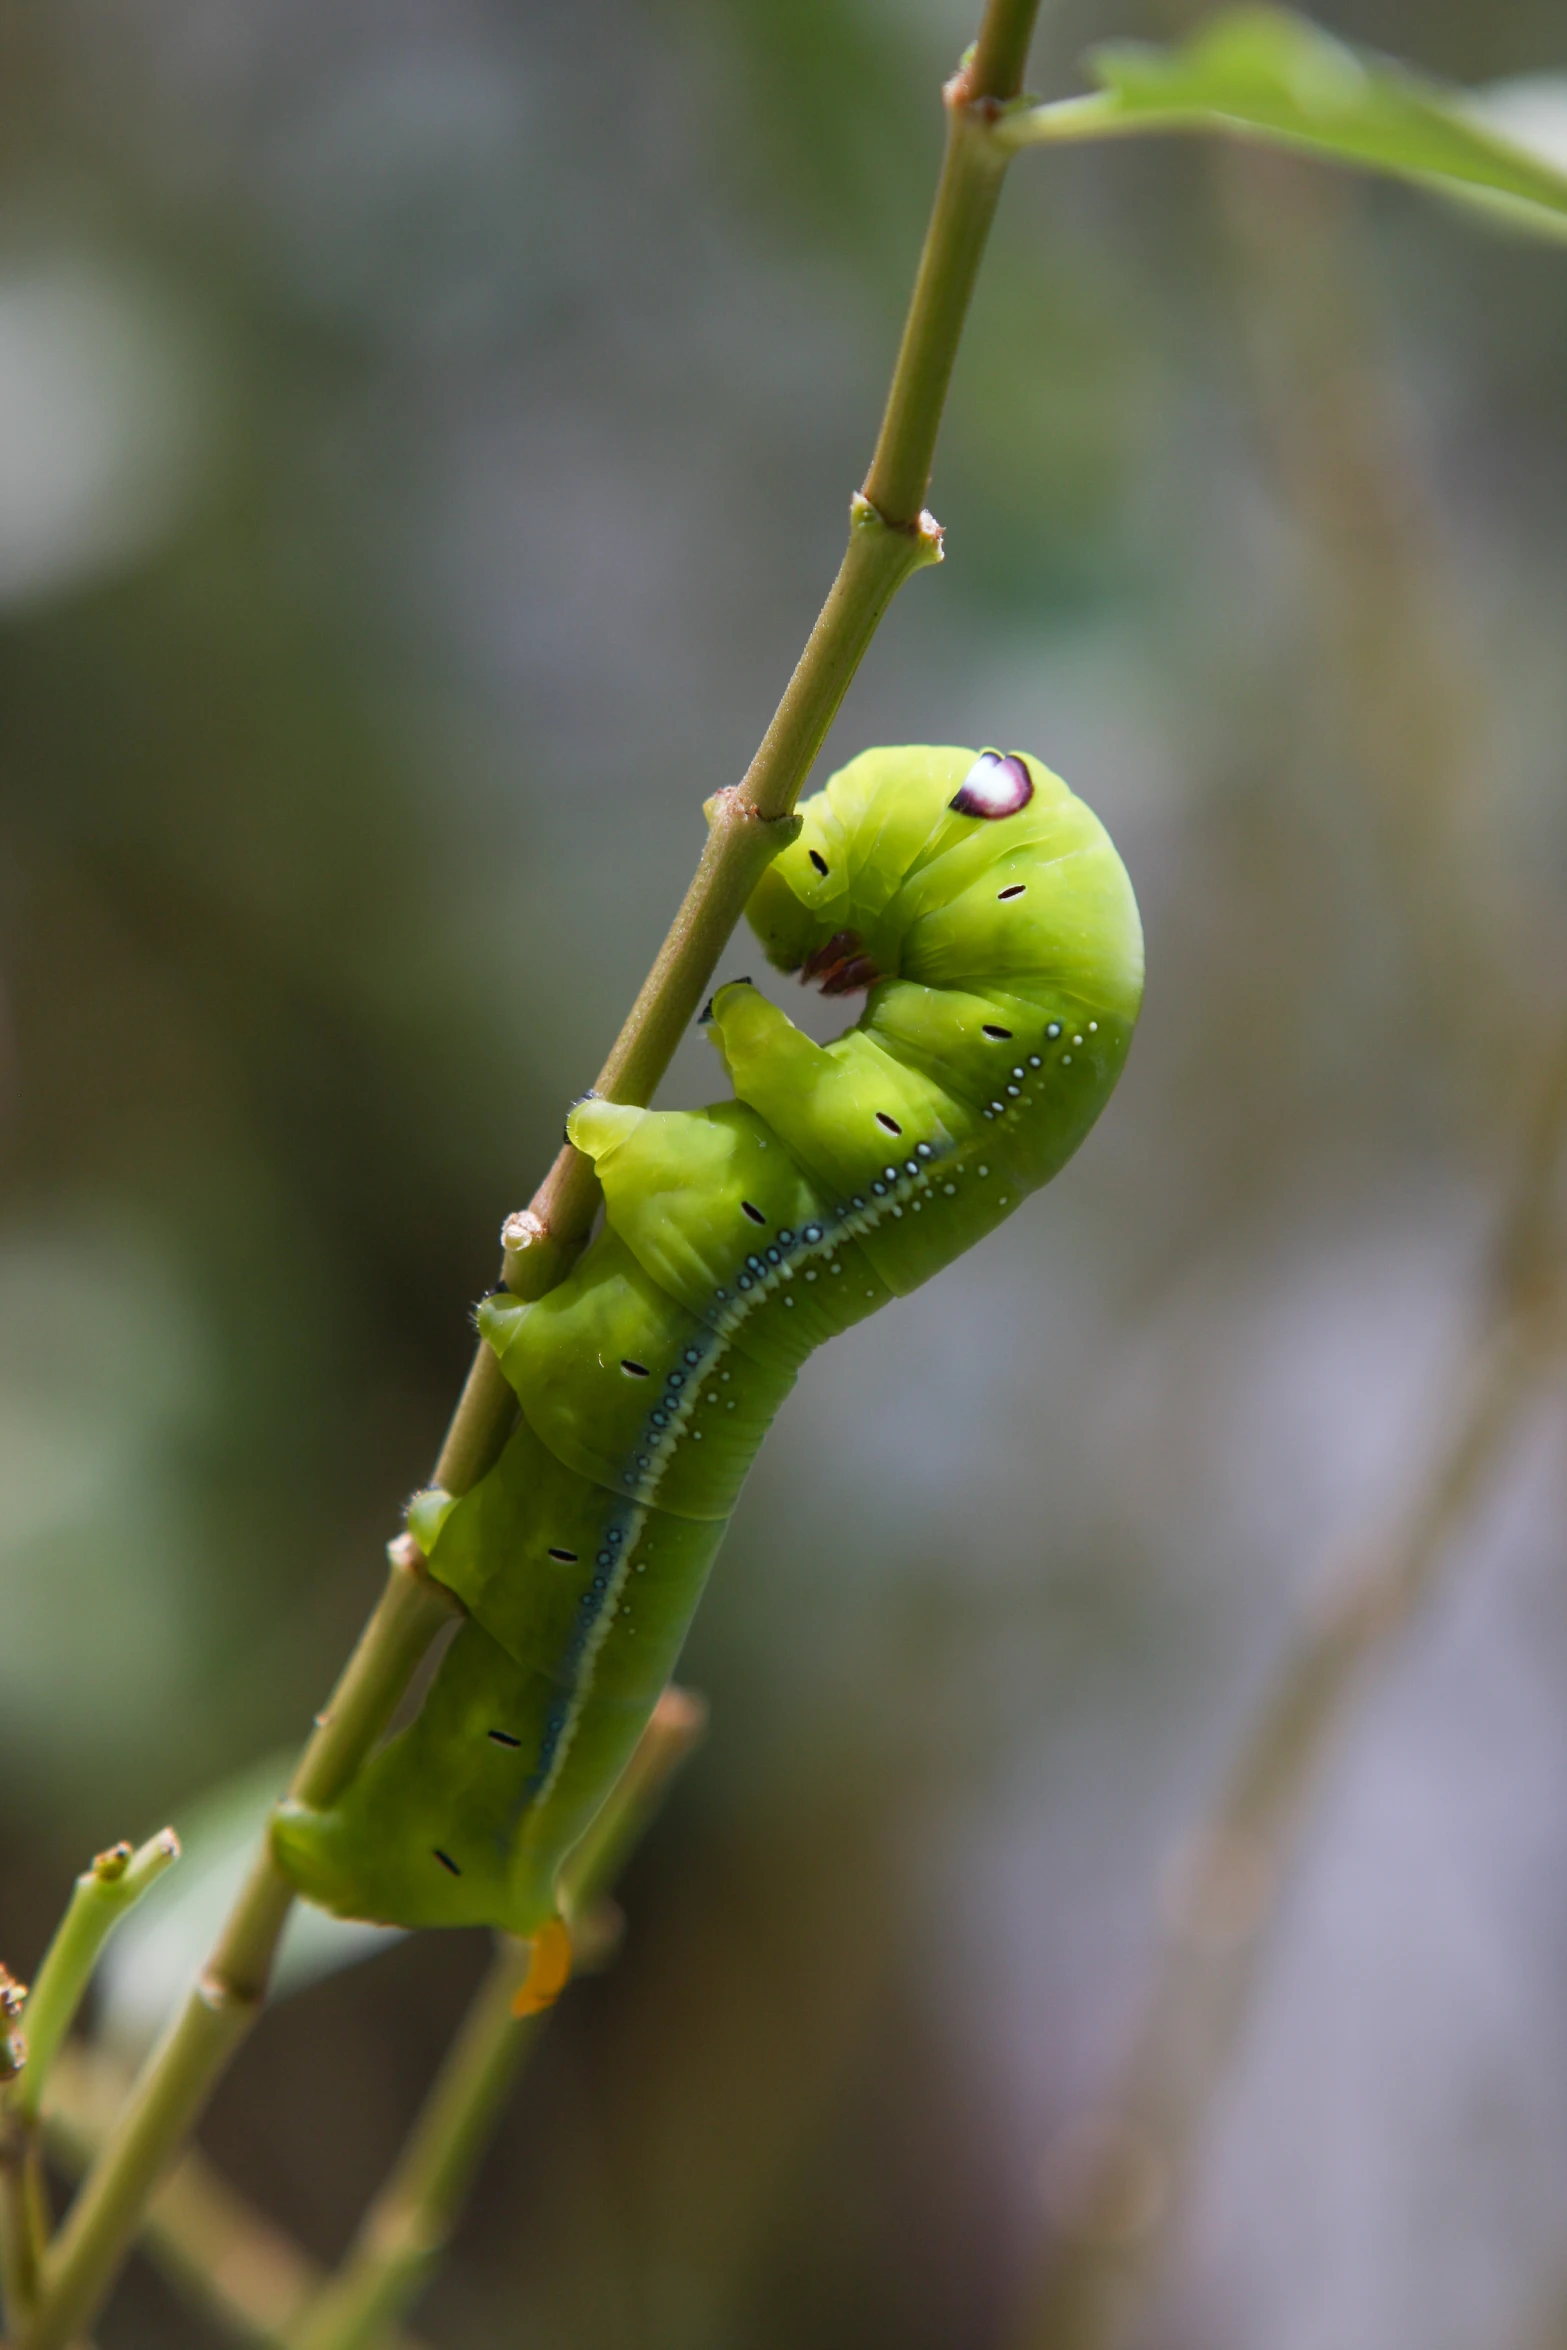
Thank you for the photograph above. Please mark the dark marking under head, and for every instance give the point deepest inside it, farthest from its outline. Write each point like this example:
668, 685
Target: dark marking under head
858, 972
634, 1370
817, 859
840, 966
998, 784
446, 1861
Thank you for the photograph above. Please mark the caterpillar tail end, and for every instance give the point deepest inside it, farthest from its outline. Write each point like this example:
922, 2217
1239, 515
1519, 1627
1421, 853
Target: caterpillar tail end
549, 1969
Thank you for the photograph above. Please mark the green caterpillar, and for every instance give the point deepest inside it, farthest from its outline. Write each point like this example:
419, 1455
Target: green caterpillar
988, 914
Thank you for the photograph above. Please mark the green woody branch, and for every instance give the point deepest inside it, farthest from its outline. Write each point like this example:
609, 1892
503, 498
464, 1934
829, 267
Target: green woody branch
408, 2225
890, 537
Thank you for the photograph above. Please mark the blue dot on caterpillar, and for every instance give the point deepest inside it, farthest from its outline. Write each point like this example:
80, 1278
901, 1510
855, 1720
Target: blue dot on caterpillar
984, 911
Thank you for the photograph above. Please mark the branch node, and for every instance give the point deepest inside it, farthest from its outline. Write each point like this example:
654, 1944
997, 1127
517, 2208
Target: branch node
925, 532
522, 1229
405, 1556
730, 806
223, 1998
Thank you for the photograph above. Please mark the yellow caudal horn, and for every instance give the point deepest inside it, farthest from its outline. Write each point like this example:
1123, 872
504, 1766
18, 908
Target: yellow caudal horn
601, 1127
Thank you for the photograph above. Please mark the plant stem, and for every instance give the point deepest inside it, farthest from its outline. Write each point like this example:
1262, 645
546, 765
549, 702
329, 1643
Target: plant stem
217, 2251
405, 2230
23, 2221
971, 174
1124, 2175
889, 537
226, 1998
407, 2226
101, 1896
995, 70
21, 2231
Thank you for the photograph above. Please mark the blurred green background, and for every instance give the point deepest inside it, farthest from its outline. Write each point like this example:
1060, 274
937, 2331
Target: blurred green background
425, 432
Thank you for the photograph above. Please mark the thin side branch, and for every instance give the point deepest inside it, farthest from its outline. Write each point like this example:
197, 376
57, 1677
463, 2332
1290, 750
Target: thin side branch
100, 1898
410, 2222
23, 2225
1120, 2184
216, 2250
225, 2000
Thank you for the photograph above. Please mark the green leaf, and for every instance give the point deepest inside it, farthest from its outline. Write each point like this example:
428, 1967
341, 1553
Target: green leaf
1263, 73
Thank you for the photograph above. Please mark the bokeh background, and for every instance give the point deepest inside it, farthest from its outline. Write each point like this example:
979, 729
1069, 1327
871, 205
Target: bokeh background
425, 432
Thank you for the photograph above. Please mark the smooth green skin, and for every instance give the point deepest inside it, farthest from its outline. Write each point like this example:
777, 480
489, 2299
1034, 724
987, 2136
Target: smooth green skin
737, 1239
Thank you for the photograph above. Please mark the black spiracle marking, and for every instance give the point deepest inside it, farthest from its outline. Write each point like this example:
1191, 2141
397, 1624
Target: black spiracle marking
634, 1370
817, 859
567, 1558
447, 1861
1000, 1035
891, 1124
502, 1738
755, 1214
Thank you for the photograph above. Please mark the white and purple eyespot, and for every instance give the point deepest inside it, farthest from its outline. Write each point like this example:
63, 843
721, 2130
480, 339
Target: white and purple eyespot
998, 784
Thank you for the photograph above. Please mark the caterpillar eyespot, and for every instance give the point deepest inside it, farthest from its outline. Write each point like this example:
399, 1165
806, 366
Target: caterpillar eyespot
680, 1289
998, 784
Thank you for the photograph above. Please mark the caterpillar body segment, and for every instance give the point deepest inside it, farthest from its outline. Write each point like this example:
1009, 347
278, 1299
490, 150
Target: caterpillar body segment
988, 914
